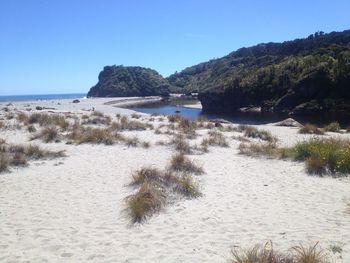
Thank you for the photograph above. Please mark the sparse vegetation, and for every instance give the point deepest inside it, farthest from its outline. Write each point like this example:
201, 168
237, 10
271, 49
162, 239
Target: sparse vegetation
181, 144
320, 155
156, 187
332, 127
267, 254
180, 163
145, 202
253, 132
310, 129
48, 134
216, 139
19, 155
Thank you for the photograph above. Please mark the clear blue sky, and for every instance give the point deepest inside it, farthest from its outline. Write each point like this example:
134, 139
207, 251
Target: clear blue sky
60, 46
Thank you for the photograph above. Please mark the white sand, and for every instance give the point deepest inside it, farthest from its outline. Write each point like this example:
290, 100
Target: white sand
71, 209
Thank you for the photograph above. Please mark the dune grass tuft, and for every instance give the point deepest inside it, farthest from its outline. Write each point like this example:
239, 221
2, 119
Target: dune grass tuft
156, 187
310, 129
145, 202
181, 163
181, 144
48, 134
267, 254
19, 155
217, 139
332, 127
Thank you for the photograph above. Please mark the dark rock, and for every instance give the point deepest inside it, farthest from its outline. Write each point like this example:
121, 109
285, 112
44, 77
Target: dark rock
120, 81
39, 108
76, 101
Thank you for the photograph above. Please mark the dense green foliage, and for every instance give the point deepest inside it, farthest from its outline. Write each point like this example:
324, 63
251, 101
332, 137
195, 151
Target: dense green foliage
311, 74
120, 81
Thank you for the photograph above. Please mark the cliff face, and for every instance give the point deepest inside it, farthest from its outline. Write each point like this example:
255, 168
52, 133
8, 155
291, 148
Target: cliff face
305, 75
120, 81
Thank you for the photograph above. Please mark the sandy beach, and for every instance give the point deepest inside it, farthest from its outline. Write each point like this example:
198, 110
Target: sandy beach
72, 209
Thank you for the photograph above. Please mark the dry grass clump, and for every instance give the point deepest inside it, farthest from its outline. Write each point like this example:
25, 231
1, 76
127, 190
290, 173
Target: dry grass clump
98, 120
44, 119
9, 116
147, 174
4, 162
174, 118
97, 114
310, 129
48, 134
253, 132
267, 254
22, 117
145, 202
135, 116
124, 123
156, 187
264, 149
92, 135
19, 155
217, 139
31, 128
181, 144
188, 128
332, 127
187, 186
2, 125
180, 163
132, 141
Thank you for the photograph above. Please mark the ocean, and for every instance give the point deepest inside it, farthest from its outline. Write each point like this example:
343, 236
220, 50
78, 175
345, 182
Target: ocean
41, 97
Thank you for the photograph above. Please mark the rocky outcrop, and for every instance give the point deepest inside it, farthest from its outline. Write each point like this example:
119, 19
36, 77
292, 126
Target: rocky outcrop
304, 76
120, 81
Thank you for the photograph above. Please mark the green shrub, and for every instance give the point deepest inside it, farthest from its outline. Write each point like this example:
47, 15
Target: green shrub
334, 153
